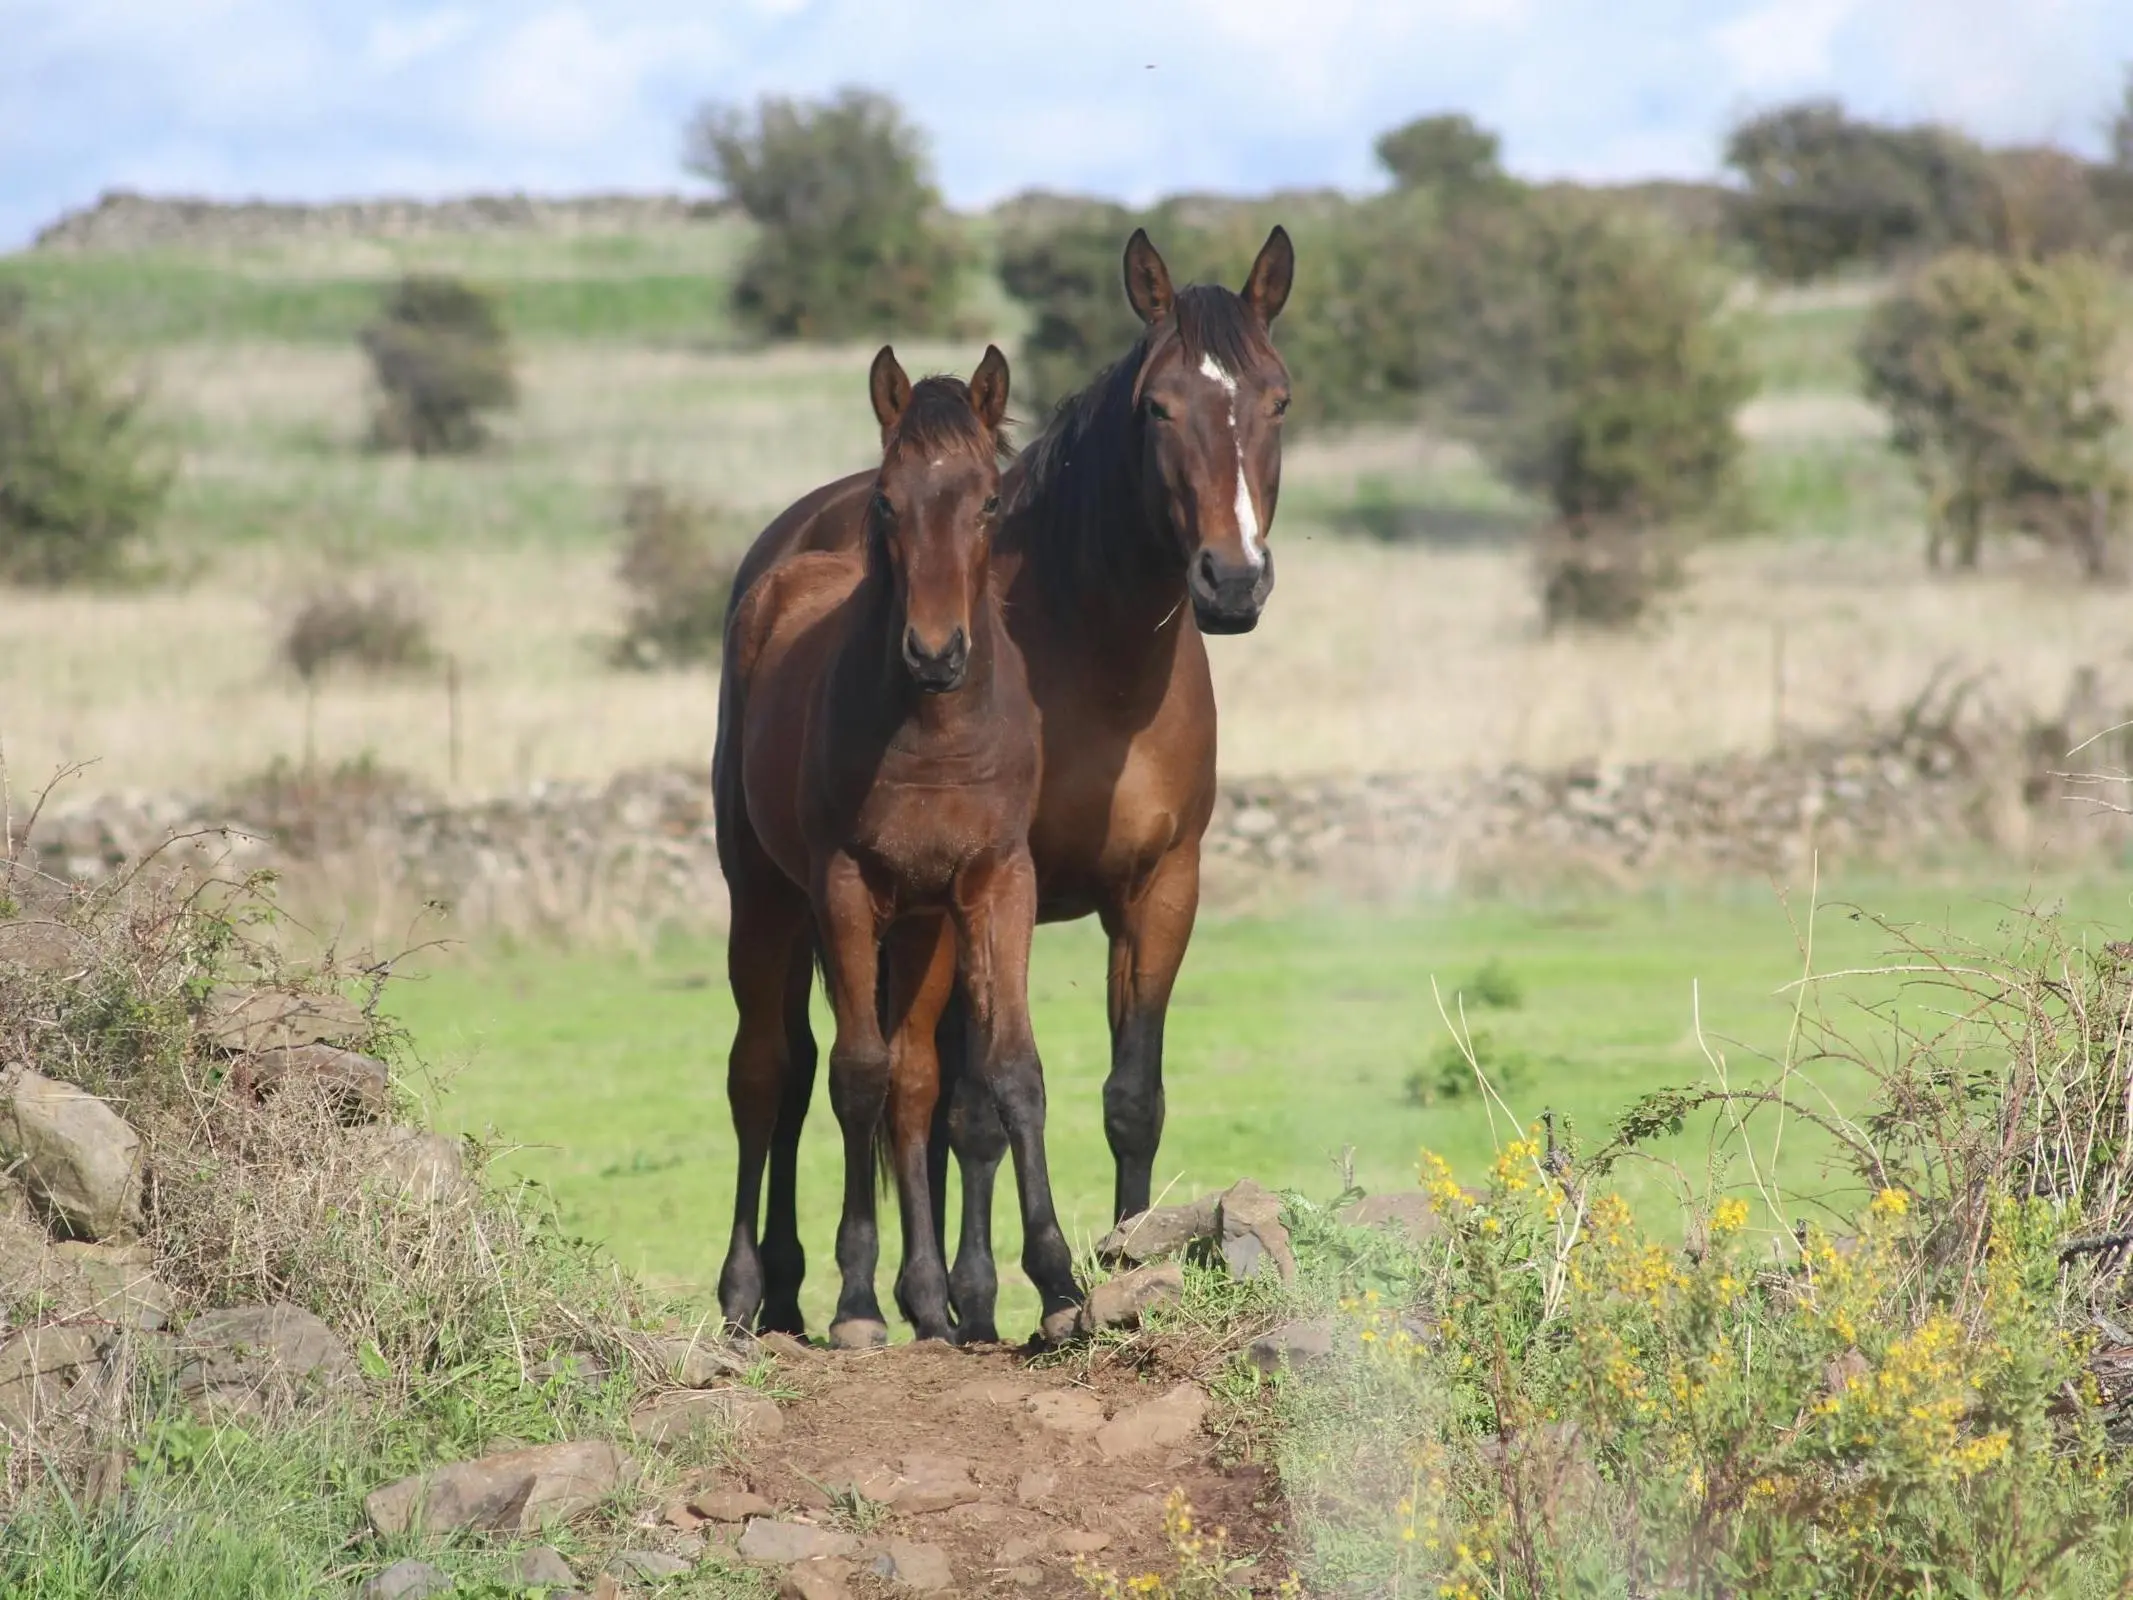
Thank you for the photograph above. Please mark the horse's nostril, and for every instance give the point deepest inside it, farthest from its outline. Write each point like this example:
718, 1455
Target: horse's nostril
958, 643
1207, 569
913, 650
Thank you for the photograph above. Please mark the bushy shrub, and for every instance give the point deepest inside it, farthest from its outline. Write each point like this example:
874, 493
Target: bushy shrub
853, 239
1068, 273
439, 358
1824, 190
378, 627
679, 578
80, 478
1450, 155
1997, 378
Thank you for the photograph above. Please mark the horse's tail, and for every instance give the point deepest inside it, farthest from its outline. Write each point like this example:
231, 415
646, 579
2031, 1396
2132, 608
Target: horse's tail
884, 1151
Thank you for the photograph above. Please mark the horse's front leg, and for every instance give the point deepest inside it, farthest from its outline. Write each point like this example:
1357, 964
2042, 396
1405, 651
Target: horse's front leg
1149, 931
849, 924
921, 970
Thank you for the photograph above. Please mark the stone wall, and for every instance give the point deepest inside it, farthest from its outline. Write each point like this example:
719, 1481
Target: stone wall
1947, 780
122, 220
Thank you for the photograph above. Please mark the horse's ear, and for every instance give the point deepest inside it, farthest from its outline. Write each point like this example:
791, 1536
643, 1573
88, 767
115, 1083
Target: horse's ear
988, 388
1266, 287
889, 388
1147, 279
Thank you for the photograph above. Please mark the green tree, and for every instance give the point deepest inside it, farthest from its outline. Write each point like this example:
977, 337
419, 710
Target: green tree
1997, 375
853, 241
1451, 155
80, 474
439, 358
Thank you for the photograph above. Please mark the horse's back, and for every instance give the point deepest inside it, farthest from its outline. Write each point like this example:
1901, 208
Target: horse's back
826, 520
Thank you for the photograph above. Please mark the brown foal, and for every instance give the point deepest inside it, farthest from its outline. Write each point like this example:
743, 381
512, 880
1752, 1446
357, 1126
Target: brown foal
877, 766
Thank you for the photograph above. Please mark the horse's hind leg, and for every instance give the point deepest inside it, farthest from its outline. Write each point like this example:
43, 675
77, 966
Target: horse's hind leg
921, 970
970, 1125
784, 1261
767, 936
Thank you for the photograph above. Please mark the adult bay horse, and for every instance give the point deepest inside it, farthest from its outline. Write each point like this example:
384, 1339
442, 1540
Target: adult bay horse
1135, 523
876, 773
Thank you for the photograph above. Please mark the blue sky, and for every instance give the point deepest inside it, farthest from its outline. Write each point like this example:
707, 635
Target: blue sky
313, 99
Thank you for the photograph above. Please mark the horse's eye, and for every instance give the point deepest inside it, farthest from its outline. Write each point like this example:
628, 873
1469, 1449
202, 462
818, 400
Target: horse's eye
992, 505
1281, 405
882, 508
1159, 411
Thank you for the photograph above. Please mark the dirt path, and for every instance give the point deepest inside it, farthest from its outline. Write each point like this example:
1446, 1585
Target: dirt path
1008, 1468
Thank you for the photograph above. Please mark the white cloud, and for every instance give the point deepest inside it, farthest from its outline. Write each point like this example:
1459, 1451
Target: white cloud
394, 41
1783, 45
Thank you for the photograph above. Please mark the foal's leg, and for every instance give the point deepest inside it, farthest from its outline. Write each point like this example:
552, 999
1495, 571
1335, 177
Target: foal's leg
996, 926
767, 937
921, 963
1149, 931
859, 1089
784, 1261
979, 1139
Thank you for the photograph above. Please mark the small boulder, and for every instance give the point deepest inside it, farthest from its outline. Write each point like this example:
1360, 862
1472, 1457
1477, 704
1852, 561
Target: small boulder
730, 1505
40, 1369
262, 1358
119, 1284
923, 1567
1293, 1344
245, 1021
651, 1565
1070, 1411
77, 1157
1039, 1484
783, 1542
694, 1363
1251, 1233
1409, 1212
1170, 1419
425, 1168
1081, 1542
823, 1578
519, 1491
1122, 1301
405, 1580
1159, 1233
684, 1413
541, 1567
356, 1085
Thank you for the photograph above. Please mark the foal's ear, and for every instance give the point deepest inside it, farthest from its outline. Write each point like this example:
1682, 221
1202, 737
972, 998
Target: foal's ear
988, 388
1147, 279
889, 388
1266, 287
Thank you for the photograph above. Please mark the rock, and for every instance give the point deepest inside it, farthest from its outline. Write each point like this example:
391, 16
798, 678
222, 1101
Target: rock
259, 1358
1037, 1485
405, 1580
246, 1021
1158, 1234
426, 1168
1169, 1419
1025, 1577
1252, 1234
1075, 1411
120, 1283
824, 1578
782, 1542
357, 1085
933, 1483
923, 1567
694, 1363
651, 1565
578, 1366
77, 1157
1081, 1542
684, 1413
519, 1491
1122, 1301
786, 1346
541, 1567
40, 1369
680, 1517
1409, 1212
730, 1505
1293, 1344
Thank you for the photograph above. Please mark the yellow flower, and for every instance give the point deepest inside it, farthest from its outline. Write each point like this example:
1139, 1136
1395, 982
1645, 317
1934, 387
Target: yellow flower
1729, 1216
1891, 1203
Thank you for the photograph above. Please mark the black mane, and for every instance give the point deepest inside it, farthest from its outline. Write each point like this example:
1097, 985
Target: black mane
1076, 492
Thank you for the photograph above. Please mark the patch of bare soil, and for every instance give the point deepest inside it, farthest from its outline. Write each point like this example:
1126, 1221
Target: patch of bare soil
1010, 1468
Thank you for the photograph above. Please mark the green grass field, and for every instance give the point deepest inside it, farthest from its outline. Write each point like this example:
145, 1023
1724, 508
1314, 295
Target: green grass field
1292, 1039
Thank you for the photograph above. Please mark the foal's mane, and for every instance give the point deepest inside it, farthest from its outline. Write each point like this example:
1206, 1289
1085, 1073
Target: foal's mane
1076, 487
939, 417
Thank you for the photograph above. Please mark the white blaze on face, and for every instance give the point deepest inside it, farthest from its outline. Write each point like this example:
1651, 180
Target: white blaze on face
1247, 513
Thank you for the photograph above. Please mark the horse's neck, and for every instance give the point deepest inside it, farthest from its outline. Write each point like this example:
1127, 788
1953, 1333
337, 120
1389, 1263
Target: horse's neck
1117, 604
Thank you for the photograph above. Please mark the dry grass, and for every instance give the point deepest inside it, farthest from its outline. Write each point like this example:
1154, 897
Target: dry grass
1375, 654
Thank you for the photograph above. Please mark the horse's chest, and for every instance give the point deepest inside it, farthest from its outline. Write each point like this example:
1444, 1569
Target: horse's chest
918, 842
